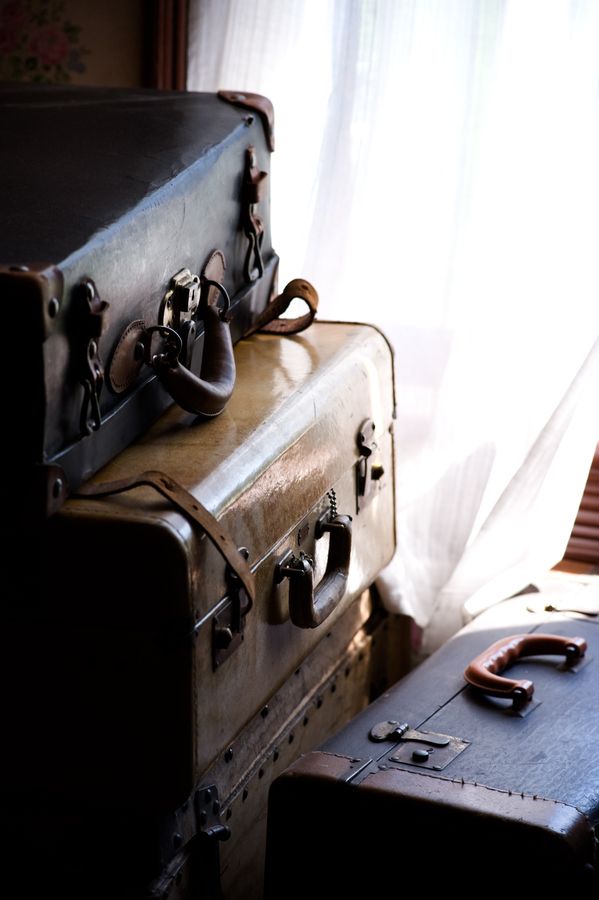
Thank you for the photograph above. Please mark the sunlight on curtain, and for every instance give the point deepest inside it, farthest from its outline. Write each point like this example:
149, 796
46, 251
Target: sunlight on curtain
437, 174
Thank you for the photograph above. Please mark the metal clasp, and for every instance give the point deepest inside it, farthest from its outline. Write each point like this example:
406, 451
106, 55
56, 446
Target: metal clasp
437, 750
90, 314
254, 185
367, 472
228, 623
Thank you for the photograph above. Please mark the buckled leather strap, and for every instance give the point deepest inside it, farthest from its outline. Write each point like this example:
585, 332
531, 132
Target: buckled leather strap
190, 507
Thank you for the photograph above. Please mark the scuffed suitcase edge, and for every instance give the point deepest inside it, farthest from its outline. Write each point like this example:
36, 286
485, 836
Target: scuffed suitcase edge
325, 781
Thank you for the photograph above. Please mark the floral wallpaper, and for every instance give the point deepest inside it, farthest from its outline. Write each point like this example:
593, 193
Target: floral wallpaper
38, 42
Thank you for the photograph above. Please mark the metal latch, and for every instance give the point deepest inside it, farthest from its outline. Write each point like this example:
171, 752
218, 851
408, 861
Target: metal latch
229, 621
89, 320
180, 307
254, 188
438, 750
367, 472
211, 832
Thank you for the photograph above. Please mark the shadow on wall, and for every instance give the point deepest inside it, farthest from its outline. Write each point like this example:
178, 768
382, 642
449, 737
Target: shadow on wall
97, 42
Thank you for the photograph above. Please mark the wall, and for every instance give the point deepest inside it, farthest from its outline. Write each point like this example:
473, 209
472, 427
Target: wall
96, 42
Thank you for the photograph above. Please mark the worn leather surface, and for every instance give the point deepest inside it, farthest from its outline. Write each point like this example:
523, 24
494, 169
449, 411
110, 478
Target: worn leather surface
125, 187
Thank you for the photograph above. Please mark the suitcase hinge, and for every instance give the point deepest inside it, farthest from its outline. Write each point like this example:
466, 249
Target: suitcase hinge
228, 623
368, 473
89, 313
254, 186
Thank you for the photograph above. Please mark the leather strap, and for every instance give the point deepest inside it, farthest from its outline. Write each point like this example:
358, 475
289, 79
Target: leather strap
269, 320
189, 506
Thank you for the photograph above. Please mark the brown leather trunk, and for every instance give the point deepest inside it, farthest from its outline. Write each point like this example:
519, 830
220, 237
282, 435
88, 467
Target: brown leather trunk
134, 660
113, 202
451, 780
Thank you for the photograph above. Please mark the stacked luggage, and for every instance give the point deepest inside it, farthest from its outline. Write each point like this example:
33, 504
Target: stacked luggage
203, 512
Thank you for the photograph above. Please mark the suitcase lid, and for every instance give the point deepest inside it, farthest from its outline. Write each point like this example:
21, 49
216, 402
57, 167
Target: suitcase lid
81, 158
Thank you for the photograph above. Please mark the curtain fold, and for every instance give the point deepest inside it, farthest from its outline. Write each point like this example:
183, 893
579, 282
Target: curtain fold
436, 174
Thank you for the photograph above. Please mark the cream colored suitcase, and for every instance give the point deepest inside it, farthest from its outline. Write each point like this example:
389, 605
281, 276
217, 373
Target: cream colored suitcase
153, 643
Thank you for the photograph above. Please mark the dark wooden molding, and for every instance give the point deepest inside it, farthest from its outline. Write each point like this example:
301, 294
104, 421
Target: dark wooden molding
165, 31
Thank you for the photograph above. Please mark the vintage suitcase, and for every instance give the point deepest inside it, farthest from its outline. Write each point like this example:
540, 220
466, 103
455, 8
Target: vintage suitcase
226, 857
212, 847
443, 787
141, 643
124, 213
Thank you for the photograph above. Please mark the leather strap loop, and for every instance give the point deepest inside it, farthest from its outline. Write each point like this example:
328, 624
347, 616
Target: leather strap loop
269, 320
190, 507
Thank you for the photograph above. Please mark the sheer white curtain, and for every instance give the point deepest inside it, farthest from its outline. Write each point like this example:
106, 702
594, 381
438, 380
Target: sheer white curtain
437, 174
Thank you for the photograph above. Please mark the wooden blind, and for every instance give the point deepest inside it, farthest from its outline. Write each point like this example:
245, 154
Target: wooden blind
584, 540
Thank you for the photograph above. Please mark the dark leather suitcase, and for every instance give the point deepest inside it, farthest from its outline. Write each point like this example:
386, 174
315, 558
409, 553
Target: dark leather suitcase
442, 787
142, 642
124, 213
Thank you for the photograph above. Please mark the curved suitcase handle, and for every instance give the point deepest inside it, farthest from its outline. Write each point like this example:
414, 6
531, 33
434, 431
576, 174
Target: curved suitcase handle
483, 671
309, 607
209, 394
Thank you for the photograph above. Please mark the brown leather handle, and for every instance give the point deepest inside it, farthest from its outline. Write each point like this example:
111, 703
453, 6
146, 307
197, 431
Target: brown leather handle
269, 320
483, 672
309, 607
209, 394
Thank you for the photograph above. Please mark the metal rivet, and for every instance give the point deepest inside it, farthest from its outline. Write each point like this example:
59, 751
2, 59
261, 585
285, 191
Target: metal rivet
420, 755
19, 268
53, 307
264, 711
229, 754
57, 488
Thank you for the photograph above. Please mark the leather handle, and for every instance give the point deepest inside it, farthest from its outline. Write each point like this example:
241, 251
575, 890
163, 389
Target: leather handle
484, 671
209, 394
269, 320
309, 607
